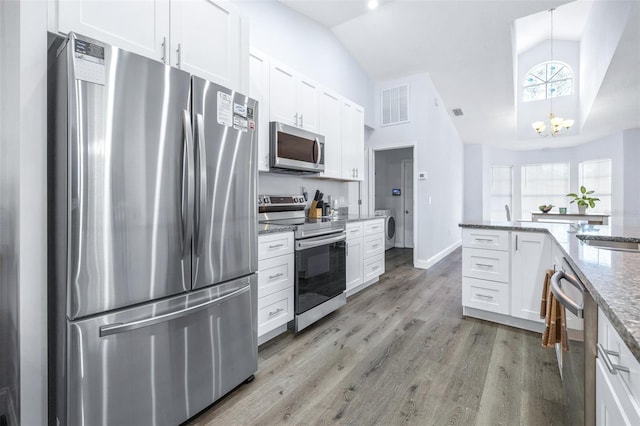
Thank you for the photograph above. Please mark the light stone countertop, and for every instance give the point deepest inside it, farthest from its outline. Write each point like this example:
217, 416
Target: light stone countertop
269, 228
612, 277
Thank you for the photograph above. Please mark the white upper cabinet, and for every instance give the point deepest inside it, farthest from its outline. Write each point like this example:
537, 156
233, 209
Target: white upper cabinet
206, 40
329, 118
293, 98
352, 131
259, 90
203, 37
141, 26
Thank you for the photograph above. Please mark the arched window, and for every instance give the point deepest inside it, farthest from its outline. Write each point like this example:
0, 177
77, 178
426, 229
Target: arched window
547, 80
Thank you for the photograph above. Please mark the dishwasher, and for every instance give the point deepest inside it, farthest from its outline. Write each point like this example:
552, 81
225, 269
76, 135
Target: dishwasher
578, 365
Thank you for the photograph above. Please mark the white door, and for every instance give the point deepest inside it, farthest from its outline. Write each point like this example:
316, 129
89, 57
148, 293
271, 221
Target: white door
307, 96
329, 127
259, 90
531, 257
282, 95
141, 27
206, 40
407, 202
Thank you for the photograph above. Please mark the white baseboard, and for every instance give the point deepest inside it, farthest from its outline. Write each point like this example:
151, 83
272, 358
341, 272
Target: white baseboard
8, 407
426, 264
271, 334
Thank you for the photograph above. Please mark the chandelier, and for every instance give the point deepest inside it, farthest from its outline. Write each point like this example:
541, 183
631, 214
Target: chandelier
556, 125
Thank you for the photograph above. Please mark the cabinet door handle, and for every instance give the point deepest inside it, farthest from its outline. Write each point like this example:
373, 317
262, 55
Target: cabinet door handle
278, 275
179, 52
604, 355
486, 265
276, 312
516, 243
296, 118
273, 246
164, 50
301, 121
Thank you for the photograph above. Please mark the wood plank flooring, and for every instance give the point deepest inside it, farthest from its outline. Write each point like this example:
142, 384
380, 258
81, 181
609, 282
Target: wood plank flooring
400, 352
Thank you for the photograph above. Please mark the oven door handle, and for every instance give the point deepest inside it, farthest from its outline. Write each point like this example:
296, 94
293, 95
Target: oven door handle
320, 241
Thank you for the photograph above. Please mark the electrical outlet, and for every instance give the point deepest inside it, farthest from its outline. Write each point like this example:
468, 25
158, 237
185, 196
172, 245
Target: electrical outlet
422, 175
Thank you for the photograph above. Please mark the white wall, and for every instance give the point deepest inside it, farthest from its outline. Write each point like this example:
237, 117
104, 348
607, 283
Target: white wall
309, 48
621, 147
438, 152
631, 177
475, 182
23, 111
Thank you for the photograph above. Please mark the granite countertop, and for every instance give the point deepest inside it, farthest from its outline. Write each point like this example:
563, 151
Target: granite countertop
270, 228
612, 277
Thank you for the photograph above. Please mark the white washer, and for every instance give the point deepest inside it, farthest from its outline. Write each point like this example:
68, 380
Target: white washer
389, 227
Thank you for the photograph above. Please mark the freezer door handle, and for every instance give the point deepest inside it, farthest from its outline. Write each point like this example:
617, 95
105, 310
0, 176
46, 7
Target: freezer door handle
111, 329
202, 193
187, 175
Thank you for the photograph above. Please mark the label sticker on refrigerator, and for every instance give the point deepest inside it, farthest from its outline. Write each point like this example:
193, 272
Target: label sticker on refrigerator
225, 110
240, 123
250, 113
252, 125
88, 62
240, 109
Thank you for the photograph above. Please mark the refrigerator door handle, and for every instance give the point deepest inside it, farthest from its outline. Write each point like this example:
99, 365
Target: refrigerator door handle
118, 328
202, 193
187, 169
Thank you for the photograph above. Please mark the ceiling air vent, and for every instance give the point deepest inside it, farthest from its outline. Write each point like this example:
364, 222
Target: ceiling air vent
457, 112
395, 105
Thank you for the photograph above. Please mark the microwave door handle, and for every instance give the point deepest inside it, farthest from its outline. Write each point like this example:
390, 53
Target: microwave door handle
202, 193
187, 181
316, 146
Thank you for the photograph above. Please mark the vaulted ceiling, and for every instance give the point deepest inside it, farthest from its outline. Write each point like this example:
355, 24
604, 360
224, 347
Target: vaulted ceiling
466, 47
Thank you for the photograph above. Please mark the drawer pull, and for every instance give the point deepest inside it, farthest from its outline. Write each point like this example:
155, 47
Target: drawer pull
276, 312
278, 275
485, 240
273, 246
484, 296
485, 265
374, 268
375, 246
375, 227
604, 355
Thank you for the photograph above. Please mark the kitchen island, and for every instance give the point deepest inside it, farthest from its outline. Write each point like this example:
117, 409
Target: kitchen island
612, 277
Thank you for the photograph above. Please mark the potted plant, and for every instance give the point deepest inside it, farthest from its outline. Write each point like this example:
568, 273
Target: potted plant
583, 199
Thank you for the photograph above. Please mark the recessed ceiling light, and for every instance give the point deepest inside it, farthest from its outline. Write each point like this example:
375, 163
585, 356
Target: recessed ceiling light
372, 4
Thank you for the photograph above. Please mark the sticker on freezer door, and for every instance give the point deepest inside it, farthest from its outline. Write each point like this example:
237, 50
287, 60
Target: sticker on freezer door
88, 62
225, 109
240, 123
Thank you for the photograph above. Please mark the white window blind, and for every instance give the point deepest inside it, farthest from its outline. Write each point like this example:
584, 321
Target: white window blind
501, 192
596, 175
543, 184
395, 105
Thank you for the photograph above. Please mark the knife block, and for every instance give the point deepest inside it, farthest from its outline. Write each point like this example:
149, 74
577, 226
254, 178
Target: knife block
314, 211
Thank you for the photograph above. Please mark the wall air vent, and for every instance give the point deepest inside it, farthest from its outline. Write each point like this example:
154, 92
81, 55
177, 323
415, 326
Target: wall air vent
395, 105
457, 112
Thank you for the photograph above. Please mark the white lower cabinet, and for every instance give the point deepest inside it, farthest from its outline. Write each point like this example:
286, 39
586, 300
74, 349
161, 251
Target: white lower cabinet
530, 260
276, 278
486, 295
617, 378
365, 254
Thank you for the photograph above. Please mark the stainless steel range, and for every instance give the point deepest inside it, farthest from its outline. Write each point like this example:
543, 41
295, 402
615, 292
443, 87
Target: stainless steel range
320, 257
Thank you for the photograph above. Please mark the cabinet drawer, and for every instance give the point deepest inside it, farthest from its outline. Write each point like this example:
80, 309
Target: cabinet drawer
485, 264
275, 310
374, 226
354, 230
609, 338
373, 267
486, 295
272, 245
275, 274
486, 239
373, 245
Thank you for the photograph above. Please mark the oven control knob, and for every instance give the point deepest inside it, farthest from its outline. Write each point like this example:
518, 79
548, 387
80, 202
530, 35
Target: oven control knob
267, 200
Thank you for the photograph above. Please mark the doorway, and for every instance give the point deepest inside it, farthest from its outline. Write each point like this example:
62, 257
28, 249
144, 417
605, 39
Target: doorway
391, 189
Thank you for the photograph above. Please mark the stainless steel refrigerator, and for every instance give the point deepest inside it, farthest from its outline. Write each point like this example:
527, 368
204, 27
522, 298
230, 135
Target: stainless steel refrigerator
152, 238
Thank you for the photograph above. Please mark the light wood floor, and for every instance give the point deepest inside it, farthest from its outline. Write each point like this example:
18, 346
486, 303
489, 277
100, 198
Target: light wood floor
400, 353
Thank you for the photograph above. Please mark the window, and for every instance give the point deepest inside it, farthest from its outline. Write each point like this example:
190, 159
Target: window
596, 175
547, 80
544, 184
395, 105
501, 192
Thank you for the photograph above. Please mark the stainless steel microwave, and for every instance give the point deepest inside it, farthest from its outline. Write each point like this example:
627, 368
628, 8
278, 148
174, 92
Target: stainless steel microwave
295, 150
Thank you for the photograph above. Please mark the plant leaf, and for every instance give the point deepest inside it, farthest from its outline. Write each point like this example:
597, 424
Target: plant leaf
583, 189
571, 194
590, 192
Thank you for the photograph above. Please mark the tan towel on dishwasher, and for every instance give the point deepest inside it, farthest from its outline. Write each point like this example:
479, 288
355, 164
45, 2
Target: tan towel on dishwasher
555, 318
